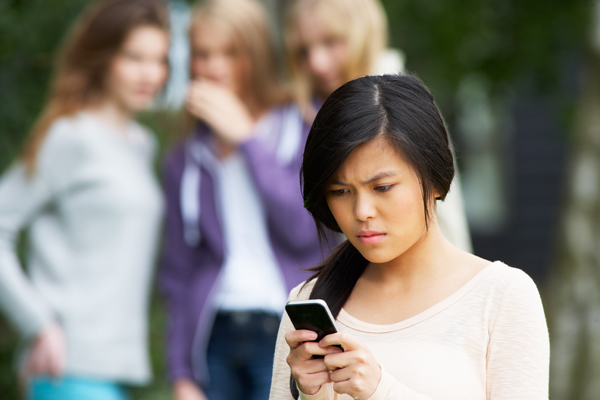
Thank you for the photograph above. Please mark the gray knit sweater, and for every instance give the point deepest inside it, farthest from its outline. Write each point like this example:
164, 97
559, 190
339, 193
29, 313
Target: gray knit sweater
93, 210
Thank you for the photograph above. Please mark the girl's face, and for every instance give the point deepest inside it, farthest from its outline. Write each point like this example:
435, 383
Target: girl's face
376, 199
139, 70
323, 54
215, 58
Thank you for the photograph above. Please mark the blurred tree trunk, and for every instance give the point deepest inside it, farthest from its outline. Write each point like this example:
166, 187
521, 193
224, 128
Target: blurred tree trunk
574, 287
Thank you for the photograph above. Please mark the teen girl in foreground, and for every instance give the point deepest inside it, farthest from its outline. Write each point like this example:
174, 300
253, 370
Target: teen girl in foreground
237, 234
85, 190
418, 317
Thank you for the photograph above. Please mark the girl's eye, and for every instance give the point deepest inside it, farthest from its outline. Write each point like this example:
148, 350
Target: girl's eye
132, 56
383, 188
302, 52
339, 192
330, 41
199, 54
231, 52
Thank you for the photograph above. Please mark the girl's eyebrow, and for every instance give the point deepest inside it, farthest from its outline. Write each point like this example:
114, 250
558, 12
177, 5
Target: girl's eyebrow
376, 177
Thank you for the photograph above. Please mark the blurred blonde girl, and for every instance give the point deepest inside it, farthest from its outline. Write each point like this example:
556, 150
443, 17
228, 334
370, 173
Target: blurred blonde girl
237, 233
328, 43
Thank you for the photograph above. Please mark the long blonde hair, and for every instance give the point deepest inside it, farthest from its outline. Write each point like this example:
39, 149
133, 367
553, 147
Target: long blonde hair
362, 24
85, 57
247, 22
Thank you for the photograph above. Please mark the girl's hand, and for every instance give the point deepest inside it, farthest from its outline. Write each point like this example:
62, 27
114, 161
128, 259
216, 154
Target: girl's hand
221, 109
47, 354
309, 373
185, 389
355, 371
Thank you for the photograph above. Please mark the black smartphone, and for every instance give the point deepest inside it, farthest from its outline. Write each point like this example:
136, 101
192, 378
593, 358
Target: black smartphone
313, 315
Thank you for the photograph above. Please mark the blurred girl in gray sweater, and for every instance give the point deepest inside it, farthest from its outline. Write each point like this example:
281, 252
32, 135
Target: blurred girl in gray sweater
85, 191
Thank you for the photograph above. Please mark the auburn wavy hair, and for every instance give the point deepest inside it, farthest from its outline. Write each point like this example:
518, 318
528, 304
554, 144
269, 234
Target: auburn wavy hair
84, 59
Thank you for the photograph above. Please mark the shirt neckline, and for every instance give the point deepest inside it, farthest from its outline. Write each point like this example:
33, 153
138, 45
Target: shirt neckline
133, 135
354, 323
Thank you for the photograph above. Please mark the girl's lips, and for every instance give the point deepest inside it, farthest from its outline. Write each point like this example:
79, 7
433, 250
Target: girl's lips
371, 238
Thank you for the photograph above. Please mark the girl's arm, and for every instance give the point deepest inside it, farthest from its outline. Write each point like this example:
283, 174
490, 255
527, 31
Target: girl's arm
22, 196
174, 273
280, 381
519, 349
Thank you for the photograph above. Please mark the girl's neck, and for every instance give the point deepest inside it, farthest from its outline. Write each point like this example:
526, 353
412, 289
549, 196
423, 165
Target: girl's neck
420, 263
112, 114
255, 111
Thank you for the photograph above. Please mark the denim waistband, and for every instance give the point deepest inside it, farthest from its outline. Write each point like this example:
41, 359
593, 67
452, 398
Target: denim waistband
245, 317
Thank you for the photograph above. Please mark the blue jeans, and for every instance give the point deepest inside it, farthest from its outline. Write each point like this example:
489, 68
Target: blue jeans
240, 355
74, 388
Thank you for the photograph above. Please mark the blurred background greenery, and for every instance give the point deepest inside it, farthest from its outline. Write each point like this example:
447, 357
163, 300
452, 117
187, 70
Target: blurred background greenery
479, 57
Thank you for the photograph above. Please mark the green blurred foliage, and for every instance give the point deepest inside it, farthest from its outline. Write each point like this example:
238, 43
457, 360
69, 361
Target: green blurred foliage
505, 41
444, 40
29, 33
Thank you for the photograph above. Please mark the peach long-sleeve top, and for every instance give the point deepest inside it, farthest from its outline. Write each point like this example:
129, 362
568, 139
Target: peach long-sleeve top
488, 340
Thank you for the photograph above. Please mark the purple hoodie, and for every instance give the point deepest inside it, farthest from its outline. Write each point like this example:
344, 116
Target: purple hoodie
191, 267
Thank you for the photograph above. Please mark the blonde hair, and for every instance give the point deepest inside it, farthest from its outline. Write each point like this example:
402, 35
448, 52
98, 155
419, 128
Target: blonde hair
84, 60
248, 24
362, 24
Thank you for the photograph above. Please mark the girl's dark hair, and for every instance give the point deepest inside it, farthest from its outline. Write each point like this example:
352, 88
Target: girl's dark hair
398, 108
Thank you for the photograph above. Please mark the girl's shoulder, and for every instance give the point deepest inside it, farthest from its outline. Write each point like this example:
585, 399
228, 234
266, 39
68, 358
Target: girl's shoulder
503, 283
65, 137
286, 111
143, 137
505, 275
66, 127
303, 290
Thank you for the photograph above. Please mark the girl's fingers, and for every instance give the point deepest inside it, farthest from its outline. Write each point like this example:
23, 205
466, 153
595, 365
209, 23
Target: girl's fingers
347, 342
339, 360
55, 364
340, 374
311, 383
296, 338
36, 362
313, 366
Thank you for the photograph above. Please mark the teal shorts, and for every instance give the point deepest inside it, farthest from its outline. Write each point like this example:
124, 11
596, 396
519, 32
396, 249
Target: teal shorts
74, 388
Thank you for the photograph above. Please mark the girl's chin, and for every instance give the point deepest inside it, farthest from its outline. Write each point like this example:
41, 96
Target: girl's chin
376, 256
139, 105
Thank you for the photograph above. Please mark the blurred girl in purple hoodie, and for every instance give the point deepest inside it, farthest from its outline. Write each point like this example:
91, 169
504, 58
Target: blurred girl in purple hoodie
237, 234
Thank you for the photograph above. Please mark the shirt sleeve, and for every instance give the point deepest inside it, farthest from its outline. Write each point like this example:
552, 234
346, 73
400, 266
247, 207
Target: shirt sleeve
174, 273
519, 348
280, 381
22, 196
390, 389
